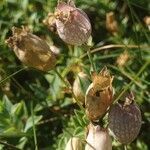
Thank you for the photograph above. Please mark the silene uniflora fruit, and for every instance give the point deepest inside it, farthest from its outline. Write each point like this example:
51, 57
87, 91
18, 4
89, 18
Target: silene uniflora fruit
72, 24
99, 95
98, 138
80, 86
74, 143
125, 120
31, 50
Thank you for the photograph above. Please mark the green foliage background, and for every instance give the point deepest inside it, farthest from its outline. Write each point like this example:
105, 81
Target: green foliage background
32, 97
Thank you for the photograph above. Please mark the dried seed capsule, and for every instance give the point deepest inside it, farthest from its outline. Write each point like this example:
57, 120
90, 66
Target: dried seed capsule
98, 138
31, 50
125, 121
74, 144
73, 25
99, 95
80, 86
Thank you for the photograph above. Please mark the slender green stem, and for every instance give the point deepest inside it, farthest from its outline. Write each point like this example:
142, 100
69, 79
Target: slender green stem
67, 84
13, 74
91, 60
111, 46
128, 85
9, 145
125, 147
34, 130
121, 70
63, 80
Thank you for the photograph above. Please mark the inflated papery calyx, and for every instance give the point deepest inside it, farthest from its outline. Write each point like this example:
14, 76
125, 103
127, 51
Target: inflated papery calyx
73, 25
74, 143
31, 50
80, 86
98, 138
99, 95
125, 120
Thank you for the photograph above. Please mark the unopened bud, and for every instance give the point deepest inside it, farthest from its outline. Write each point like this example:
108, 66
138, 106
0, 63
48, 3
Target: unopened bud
80, 86
74, 144
98, 138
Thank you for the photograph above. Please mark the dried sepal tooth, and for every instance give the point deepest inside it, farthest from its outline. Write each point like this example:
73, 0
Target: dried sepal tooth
80, 86
31, 50
125, 120
73, 25
99, 95
98, 138
50, 22
74, 144
103, 80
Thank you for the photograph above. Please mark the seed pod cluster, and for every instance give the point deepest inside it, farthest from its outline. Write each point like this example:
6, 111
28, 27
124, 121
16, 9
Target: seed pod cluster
98, 138
72, 24
99, 95
125, 120
80, 86
31, 50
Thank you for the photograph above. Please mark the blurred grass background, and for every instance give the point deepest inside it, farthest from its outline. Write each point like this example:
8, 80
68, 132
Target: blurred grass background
31, 95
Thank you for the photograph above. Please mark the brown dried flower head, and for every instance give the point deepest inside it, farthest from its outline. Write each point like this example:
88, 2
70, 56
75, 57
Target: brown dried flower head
123, 58
125, 120
98, 138
80, 86
99, 95
111, 23
72, 24
31, 50
147, 21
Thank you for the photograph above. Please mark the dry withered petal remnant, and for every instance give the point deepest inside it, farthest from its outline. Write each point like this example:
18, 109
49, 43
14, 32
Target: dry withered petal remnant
72, 24
125, 120
98, 138
31, 50
99, 95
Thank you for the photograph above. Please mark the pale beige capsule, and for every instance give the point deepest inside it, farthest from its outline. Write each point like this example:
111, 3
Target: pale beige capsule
80, 86
74, 144
98, 138
31, 50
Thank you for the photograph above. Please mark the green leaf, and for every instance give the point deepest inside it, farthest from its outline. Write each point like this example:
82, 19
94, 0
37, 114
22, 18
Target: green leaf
29, 123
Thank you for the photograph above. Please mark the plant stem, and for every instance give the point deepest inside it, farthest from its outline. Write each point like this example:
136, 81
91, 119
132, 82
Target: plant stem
9, 145
90, 59
12, 75
34, 130
67, 84
113, 46
131, 82
125, 147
